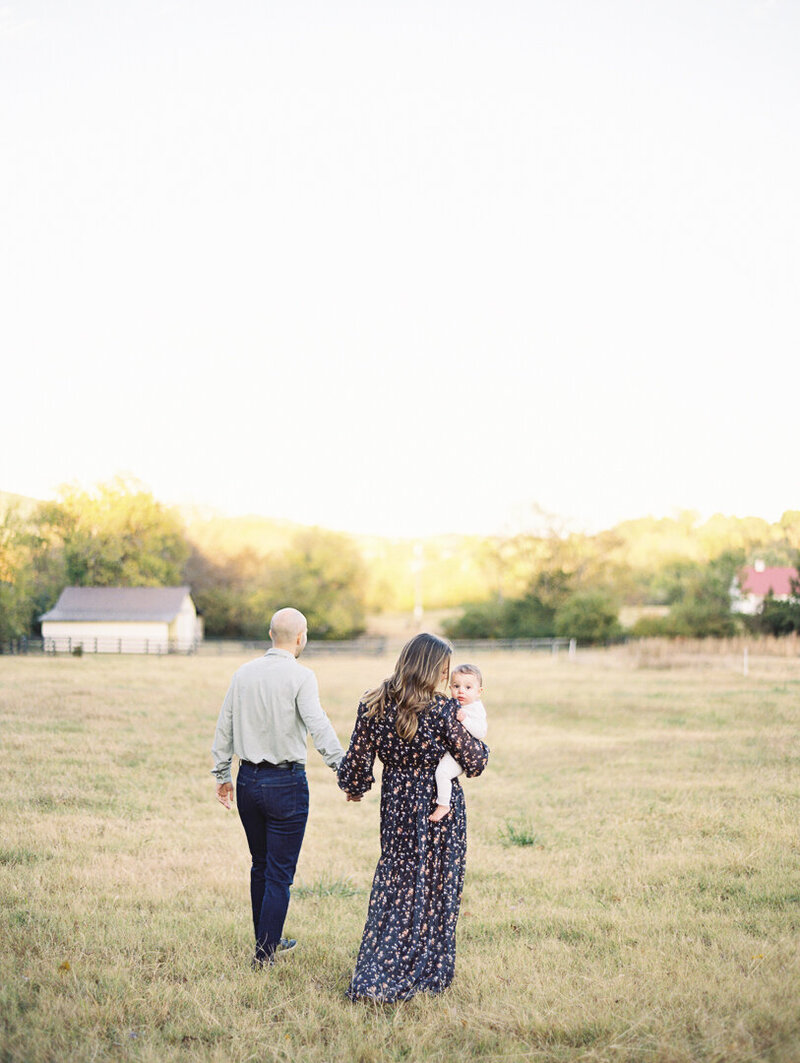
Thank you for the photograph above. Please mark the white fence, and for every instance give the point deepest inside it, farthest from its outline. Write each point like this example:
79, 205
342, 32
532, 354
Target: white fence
78, 646
213, 647
521, 645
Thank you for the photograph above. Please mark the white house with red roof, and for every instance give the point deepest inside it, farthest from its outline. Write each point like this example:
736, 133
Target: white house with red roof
754, 584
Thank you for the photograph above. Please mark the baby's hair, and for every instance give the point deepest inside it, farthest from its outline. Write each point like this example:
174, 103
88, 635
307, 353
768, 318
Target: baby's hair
469, 669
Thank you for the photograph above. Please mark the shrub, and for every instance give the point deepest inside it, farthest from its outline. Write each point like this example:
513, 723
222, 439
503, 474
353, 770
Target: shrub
529, 617
701, 617
515, 618
483, 620
589, 616
778, 617
650, 627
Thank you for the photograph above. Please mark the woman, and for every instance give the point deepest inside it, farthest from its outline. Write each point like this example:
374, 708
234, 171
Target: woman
409, 938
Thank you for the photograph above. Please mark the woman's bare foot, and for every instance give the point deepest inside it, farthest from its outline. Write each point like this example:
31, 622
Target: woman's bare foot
440, 813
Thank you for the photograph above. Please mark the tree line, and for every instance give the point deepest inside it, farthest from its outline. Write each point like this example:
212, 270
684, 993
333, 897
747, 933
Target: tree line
119, 535
667, 576
676, 573
673, 574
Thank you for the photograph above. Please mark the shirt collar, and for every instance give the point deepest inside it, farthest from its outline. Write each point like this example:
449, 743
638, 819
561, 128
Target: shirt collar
274, 651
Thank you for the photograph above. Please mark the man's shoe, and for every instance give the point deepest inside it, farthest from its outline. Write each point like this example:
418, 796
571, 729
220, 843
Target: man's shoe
258, 963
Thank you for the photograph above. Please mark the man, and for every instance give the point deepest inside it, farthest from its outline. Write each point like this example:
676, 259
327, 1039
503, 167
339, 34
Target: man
271, 706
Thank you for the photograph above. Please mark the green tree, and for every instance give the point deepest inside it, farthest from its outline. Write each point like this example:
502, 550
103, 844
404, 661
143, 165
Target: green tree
481, 620
225, 591
117, 535
702, 602
778, 617
790, 527
529, 617
526, 617
16, 599
588, 616
323, 575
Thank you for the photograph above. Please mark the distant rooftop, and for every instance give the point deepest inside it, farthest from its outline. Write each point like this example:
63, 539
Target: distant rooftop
118, 603
760, 580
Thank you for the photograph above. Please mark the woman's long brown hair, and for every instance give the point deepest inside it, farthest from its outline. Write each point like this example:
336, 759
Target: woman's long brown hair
411, 686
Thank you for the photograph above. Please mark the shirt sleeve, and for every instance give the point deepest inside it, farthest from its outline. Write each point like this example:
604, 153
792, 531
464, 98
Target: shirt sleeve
355, 771
317, 723
471, 753
476, 722
222, 749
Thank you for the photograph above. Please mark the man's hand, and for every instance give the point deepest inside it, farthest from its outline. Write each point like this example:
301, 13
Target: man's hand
353, 797
225, 794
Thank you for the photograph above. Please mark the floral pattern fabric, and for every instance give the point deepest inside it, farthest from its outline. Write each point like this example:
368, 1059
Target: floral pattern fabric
409, 939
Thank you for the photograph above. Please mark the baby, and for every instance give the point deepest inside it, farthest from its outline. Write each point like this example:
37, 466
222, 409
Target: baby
466, 687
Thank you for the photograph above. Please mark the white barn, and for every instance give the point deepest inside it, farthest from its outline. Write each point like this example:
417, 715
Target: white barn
122, 620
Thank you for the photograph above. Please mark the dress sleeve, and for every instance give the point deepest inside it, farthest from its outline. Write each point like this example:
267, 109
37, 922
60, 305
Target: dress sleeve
355, 770
471, 753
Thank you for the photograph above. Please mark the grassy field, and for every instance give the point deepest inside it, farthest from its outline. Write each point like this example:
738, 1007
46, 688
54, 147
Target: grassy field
632, 891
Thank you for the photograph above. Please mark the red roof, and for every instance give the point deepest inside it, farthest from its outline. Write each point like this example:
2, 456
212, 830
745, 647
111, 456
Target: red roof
777, 580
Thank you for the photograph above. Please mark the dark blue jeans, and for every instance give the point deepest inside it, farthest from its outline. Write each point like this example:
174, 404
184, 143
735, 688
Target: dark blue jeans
273, 808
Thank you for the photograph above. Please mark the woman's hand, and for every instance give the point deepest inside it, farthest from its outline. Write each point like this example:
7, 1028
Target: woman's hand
353, 797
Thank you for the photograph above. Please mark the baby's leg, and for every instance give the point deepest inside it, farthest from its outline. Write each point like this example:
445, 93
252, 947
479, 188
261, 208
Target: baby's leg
447, 770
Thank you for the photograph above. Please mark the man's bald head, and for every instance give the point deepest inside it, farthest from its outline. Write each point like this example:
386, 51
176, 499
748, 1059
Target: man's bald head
287, 629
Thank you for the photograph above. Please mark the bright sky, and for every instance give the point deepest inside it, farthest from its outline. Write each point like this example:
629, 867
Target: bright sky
404, 266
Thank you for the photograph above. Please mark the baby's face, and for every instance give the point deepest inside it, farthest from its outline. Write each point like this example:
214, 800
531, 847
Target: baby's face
465, 688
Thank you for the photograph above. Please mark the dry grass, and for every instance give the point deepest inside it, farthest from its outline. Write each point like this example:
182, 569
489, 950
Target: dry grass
732, 649
654, 919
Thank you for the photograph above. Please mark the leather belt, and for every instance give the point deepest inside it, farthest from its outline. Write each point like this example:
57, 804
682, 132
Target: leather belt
285, 765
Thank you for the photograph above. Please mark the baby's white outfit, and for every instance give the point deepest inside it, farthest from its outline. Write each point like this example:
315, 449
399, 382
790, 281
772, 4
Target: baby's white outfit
448, 767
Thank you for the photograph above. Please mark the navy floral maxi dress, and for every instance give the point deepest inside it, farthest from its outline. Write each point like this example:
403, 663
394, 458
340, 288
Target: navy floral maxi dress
409, 941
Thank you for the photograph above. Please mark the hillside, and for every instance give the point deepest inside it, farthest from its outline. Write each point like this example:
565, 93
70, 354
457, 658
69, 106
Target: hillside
445, 571
20, 503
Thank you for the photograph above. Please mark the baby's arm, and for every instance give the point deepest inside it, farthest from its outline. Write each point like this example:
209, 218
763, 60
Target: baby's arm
473, 718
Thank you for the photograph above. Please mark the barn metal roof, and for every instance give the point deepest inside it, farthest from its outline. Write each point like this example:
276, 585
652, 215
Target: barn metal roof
118, 603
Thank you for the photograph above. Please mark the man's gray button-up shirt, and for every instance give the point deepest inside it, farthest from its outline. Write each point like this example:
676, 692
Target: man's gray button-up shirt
271, 706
